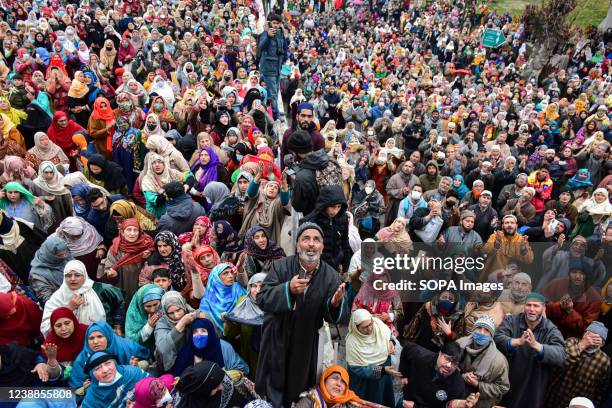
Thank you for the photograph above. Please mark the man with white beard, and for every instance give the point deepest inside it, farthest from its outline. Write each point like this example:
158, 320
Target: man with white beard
534, 348
299, 292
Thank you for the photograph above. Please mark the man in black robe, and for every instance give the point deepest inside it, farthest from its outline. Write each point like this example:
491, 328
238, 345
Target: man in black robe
298, 293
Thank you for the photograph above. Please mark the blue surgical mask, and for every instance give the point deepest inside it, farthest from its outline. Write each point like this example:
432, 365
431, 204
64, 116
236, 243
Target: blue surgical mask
200, 340
480, 339
239, 157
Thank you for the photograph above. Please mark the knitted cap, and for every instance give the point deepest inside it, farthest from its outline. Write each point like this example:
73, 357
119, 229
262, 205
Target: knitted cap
598, 328
486, 322
581, 402
307, 226
538, 297
300, 142
467, 213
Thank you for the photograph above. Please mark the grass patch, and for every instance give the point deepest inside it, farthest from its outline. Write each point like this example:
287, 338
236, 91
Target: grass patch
587, 12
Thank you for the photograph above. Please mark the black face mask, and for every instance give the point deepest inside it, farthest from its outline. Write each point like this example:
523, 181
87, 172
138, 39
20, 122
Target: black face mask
109, 48
450, 204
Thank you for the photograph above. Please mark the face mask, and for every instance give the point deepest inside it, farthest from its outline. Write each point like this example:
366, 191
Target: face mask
415, 195
151, 126
192, 80
591, 350
166, 399
109, 48
445, 306
239, 157
381, 104
125, 45
158, 106
481, 339
369, 190
117, 378
200, 340
125, 106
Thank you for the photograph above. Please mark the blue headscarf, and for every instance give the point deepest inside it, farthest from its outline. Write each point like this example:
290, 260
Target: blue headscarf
212, 351
219, 298
462, 189
93, 91
80, 190
44, 102
44, 55
112, 396
121, 347
574, 183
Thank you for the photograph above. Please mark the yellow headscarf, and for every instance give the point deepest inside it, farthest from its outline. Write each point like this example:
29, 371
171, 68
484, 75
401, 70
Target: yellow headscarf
7, 126
15, 115
77, 89
605, 307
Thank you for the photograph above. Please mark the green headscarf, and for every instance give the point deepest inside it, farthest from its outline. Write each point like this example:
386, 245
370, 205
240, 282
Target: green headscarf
16, 186
136, 316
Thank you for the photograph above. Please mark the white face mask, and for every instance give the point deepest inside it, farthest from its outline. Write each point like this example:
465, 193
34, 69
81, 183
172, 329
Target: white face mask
166, 399
415, 195
369, 190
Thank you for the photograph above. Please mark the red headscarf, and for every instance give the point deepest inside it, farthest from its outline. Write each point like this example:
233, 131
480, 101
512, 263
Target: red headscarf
203, 250
67, 349
132, 251
105, 114
63, 137
20, 319
56, 61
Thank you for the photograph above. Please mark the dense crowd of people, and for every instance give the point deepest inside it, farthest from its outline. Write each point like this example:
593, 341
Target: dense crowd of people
193, 194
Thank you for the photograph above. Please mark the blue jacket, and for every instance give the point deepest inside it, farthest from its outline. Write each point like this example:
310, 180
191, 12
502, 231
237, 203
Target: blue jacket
272, 53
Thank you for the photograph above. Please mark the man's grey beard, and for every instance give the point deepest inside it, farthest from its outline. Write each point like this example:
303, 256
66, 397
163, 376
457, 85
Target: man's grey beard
308, 259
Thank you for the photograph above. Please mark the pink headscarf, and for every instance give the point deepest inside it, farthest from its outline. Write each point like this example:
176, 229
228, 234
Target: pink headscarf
149, 390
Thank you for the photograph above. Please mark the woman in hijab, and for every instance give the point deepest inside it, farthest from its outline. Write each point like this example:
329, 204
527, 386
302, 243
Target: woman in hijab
90, 301
58, 86
62, 129
101, 125
594, 212
222, 294
8, 131
201, 234
205, 140
78, 99
152, 127
368, 350
202, 342
459, 186
259, 252
143, 314
207, 385
126, 257
67, 334
110, 381
205, 258
384, 304
396, 236
128, 150
368, 206
243, 324
333, 391
154, 392
108, 59
45, 150
168, 255
207, 169
162, 88
18, 202
127, 52
159, 107
15, 115
83, 241
164, 148
227, 241
105, 173
158, 173
176, 316
18, 170
19, 241
101, 337
79, 198
47, 273
138, 94
8, 147
49, 186
19, 320
129, 110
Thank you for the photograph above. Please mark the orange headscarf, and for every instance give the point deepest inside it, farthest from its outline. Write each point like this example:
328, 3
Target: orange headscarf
105, 114
605, 307
347, 396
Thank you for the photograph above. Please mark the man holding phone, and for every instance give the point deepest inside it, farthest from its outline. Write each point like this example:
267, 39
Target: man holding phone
272, 52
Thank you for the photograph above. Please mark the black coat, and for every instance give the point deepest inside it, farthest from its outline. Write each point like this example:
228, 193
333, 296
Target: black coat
304, 186
426, 388
337, 250
290, 336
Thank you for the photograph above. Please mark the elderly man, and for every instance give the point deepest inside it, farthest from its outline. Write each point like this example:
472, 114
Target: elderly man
434, 379
586, 370
512, 298
533, 346
521, 207
439, 194
512, 191
484, 367
299, 292
428, 223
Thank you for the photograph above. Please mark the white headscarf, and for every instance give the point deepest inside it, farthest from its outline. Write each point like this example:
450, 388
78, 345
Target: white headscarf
162, 88
90, 311
54, 186
363, 350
